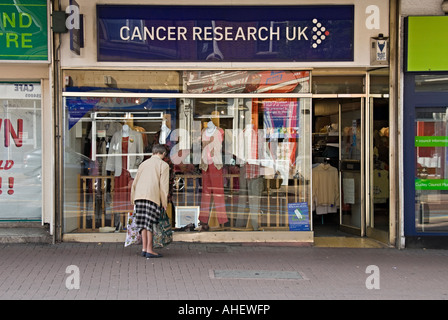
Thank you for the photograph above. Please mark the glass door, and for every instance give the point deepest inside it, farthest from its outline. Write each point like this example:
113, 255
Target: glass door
378, 165
377, 155
351, 155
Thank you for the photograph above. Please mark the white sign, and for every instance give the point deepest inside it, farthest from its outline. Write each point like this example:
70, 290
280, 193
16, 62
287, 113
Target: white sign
30, 91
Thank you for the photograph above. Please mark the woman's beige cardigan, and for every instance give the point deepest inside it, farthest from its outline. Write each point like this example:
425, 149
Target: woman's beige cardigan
152, 181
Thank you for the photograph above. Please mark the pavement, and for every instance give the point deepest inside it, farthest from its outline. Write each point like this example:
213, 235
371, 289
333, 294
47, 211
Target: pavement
224, 272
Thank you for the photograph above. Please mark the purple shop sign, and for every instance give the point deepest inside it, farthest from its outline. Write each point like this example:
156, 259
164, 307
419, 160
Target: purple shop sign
225, 33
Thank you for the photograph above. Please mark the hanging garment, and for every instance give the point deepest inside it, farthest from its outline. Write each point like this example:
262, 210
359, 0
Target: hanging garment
134, 150
123, 183
325, 186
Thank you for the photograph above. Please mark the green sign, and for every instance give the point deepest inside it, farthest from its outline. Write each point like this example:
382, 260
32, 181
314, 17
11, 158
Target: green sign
427, 43
431, 141
431, 184
23, 30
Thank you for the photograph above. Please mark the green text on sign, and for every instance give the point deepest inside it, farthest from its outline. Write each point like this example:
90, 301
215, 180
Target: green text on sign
431, 141
23, 30
431, 184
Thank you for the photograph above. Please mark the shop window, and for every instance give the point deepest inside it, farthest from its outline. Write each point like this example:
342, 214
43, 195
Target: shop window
110, 80
338, 85
379, 81
21, 152
431, 176
237, 163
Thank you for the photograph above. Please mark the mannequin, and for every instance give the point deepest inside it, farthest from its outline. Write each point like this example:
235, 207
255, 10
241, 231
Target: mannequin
211, 128
125, 131
125, 141
212, 176
164, 133
251, 180
117, 153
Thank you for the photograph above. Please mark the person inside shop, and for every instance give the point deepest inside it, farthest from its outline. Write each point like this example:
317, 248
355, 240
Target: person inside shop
212, 176
149, 195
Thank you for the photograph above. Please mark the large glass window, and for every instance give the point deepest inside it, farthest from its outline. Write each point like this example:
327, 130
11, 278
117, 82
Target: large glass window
240, 158
431, 176
21, 152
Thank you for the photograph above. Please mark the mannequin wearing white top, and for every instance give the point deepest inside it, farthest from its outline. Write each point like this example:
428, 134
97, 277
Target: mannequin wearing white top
135, 151
211, 128
125, 131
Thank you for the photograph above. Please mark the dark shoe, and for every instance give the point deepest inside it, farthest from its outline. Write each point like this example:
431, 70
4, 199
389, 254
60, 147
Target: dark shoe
150, 255
143, 253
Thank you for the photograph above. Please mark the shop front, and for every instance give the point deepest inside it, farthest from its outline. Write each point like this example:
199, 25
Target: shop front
425, 99
276, 128
25, 115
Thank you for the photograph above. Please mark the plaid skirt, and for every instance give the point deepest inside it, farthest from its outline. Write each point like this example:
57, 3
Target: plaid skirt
146, 213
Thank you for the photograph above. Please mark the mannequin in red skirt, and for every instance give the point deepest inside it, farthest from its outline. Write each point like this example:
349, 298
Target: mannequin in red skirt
125, 155
212, 178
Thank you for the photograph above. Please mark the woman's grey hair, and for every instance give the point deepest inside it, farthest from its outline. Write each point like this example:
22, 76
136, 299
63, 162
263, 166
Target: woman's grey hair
158, 149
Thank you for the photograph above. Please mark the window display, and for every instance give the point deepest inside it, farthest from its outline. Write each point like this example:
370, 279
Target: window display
21, 152
241, 160
431, 184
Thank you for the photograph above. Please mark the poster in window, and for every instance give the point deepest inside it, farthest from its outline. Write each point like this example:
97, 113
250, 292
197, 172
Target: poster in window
298, 216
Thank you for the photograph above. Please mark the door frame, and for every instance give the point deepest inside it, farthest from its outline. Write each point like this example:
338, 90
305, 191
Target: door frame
346, 227
371, 231
366, 229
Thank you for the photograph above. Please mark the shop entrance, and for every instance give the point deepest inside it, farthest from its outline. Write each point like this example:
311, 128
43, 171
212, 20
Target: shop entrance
350, 167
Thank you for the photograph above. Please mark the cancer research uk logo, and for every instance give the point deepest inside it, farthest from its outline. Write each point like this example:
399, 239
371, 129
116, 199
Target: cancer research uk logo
217, 33
320, 33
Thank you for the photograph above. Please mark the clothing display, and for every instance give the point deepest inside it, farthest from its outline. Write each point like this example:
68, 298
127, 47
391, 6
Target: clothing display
325, 188
250, 181
212, 176
125, 154
212, 139
164, 133
123, 183
232, 162
251, 186
134, 151
144, 136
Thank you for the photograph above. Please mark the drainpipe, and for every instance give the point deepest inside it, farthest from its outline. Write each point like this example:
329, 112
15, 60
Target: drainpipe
56, 6
396, 221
